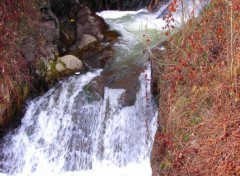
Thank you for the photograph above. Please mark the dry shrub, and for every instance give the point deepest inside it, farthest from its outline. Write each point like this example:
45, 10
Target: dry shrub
16, 22
200, 95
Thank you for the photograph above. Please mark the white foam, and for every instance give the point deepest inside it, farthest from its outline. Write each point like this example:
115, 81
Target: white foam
103, 139
132, 169
114, 14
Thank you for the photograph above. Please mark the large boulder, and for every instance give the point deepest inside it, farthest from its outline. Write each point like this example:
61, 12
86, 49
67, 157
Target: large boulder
92, 53
64, 66
69, 62
86, 46
98, 58
85, 41
88, 23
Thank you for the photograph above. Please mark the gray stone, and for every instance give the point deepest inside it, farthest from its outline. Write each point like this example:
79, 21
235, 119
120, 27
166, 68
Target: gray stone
85, 40
84, 10
49, 30
64, 66
70, 62
60, 67
28, 49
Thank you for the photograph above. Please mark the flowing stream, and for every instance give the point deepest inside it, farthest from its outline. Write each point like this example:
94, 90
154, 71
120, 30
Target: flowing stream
72, 131
68, 131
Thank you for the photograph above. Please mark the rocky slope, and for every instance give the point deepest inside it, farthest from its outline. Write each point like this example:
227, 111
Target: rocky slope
62, 44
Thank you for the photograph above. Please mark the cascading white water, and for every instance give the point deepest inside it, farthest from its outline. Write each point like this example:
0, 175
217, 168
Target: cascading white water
65, 133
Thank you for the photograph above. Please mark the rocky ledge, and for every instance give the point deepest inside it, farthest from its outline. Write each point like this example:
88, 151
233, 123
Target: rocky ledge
74, 40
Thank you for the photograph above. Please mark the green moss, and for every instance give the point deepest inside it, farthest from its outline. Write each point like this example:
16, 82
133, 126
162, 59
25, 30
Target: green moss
186, 137
38, 3
195, 120
207, 103
41, 68
182, 101
162, 166
165, 164
53, 66
208, 7
52, 72
25, 90
2, 106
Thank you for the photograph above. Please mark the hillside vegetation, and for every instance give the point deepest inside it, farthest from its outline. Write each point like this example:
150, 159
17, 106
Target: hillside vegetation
17, 20
199, 101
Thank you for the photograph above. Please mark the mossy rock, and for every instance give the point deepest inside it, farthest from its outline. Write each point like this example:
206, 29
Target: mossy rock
64, 66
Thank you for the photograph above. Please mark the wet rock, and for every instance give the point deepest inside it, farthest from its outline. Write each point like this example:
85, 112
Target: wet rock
119, 79
106, 56
85, 48
85, 41
102, 25
111, 36
67, 33
92, 26
83, 11
157, 154
90, 23
92, 53
97, 56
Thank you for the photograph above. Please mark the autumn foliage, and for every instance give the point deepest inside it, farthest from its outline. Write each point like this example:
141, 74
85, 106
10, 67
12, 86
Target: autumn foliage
200, 93
16, 22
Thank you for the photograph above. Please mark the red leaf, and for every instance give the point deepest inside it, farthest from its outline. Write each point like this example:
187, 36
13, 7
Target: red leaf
167, 33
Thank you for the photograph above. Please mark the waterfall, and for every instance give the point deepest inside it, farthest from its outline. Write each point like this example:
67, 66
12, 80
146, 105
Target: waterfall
75, 131
68, 132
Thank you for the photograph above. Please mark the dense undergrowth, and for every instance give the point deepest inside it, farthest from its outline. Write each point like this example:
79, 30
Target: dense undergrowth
200, 94
17, 20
